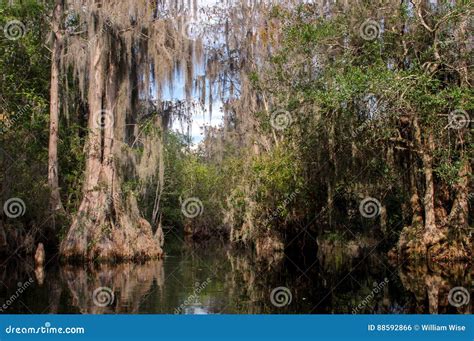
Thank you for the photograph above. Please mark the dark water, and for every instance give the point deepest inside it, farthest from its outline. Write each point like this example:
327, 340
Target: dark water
212, 279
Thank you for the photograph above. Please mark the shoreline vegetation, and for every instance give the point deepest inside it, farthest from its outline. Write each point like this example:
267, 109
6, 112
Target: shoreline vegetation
344, 129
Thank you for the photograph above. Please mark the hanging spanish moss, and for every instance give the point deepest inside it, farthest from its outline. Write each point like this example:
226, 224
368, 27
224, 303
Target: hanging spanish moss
123, 55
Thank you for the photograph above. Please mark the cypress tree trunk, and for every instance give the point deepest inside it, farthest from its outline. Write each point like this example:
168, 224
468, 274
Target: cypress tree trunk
108, 225
459, 214
417, 218
53, 181
431, 235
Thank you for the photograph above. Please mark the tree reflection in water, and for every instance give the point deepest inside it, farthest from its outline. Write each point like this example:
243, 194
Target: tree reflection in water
128, 282
212, 278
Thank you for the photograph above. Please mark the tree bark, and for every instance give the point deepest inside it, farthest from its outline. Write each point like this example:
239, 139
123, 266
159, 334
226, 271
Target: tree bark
430, 217
459, 215
425, 145
332, 166
108, 225
53, 178
417, 211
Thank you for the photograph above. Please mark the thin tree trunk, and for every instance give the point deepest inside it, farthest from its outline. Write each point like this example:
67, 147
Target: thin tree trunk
53, 180
430, 217
460, 210
462, 37
156, 214
426, 147
333, 172
417, 218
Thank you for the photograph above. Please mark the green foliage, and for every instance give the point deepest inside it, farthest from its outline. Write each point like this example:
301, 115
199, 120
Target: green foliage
352, 102
24, 98
189, 176
275, 175
24, 116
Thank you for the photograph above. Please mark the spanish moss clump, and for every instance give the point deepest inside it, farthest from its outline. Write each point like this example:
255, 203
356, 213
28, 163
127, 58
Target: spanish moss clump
122, 53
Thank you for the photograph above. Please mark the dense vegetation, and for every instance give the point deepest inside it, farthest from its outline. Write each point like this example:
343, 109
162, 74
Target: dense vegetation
346, 114
341, 123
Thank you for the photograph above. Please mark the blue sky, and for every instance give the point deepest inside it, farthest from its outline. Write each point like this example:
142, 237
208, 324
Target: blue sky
200, 118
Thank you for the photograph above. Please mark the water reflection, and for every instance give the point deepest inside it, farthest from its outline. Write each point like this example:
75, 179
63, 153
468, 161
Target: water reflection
431, 285
212, 279
112, 288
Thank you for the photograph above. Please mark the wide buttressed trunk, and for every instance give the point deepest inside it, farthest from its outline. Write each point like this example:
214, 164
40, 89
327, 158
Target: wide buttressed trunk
108, 225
